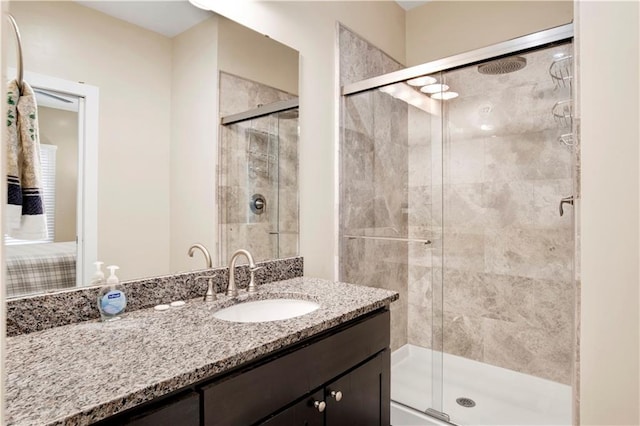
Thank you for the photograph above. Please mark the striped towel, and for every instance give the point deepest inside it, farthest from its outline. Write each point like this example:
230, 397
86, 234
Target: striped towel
25, 209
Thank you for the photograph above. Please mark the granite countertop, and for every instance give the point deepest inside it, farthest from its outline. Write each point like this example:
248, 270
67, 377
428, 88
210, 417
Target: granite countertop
81, 373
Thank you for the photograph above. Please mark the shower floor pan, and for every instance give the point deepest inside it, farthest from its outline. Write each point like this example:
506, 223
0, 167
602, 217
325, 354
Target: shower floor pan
502, 396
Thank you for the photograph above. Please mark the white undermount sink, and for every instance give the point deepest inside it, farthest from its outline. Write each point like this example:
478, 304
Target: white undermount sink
266, 310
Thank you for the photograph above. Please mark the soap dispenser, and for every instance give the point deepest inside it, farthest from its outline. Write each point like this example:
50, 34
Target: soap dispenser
111, 299
98, 275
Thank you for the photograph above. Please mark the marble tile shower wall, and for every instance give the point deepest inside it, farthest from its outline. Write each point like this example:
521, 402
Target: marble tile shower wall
257, 156
373, 166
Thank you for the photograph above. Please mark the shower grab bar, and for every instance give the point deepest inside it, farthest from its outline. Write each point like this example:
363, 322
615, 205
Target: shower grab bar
19, 65
406, 240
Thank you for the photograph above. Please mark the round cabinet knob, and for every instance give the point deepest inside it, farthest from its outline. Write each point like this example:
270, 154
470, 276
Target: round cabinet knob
337, 395
320, 405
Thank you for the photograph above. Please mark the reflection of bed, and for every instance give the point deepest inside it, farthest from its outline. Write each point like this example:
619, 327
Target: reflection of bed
34, 268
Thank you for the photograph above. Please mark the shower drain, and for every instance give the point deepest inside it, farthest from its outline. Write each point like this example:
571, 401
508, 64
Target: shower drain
466, 402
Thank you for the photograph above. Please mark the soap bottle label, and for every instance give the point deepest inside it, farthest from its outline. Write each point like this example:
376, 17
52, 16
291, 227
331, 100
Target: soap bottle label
113, 302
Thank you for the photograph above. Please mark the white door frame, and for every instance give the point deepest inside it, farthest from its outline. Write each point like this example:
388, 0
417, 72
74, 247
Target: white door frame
87, 205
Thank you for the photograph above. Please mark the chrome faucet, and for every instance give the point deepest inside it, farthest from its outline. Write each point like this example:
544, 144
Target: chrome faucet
232, 290
210, 295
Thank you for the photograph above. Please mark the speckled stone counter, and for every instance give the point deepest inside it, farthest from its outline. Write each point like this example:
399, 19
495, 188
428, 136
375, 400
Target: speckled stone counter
39, 312
80, 373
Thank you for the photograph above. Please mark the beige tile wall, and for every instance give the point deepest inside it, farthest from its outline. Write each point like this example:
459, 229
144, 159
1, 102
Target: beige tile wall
374, 172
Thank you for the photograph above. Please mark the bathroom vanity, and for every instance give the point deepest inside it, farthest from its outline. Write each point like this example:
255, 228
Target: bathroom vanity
185, 367
338, 378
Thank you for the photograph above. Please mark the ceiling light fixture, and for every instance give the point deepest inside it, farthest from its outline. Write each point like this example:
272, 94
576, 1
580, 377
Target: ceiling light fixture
434, 88
444, 96
421, 81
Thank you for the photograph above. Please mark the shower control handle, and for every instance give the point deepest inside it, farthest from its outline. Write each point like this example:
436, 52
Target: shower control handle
258, 203
563, 201
320, 405
337, 395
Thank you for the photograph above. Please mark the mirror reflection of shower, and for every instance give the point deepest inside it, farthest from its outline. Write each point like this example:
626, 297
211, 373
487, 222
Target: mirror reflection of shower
258, 193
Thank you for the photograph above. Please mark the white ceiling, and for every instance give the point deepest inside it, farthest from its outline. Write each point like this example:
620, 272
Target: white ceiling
410, 4
169, 18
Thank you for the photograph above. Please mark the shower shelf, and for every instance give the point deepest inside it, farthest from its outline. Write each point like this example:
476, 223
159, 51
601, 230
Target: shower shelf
567, 139
561, 71
563, 112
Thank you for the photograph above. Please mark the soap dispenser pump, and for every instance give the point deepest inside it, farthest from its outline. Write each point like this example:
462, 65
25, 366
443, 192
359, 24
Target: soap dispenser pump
98, 275
111, 299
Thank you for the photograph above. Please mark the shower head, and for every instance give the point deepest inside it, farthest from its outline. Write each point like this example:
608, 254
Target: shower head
503, 66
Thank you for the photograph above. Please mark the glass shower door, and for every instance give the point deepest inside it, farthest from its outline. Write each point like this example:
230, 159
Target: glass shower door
507, 263
390, 236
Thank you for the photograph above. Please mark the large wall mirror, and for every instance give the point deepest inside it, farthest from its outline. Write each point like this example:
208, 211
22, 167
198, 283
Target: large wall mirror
161, 125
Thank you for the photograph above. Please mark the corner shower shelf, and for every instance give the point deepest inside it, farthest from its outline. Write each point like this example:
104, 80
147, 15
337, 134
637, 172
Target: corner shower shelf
561, 71
567, 139
563, 112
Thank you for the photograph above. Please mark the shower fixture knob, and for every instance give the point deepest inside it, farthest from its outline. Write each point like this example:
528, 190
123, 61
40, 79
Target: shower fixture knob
258, 203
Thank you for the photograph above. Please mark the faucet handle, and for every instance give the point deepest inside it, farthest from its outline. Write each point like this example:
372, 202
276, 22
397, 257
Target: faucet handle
253, 288
210, 295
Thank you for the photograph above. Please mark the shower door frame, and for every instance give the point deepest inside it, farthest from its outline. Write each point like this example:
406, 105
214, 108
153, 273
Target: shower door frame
509, 47
560, 34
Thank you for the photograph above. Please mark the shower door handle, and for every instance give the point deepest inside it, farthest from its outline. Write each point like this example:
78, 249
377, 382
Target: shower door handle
565, 200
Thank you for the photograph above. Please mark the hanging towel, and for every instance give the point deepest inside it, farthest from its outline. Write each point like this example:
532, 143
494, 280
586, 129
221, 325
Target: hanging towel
25, 209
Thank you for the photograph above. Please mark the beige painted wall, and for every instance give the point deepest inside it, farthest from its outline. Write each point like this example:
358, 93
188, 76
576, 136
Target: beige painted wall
132, 68
310, 28
255, 57
607, 39
194, 147
443, 28
60, 128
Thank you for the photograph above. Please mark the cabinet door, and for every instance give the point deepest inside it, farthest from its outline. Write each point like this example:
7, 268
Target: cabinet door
304, 413
361, 397
183, 410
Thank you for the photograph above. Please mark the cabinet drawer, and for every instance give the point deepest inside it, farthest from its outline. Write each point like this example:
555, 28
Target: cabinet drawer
251, 395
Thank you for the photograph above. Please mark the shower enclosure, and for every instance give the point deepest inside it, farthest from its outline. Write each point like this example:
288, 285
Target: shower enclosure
258, 188
456, 186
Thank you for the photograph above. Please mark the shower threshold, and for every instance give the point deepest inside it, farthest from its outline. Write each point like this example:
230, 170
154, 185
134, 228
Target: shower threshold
501, 396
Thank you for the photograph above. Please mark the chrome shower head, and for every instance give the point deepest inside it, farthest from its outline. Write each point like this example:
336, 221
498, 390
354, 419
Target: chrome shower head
503, 66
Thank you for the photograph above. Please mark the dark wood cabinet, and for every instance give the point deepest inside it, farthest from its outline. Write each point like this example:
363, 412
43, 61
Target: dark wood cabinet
303, 413
360, 397
182, 409
292, 387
